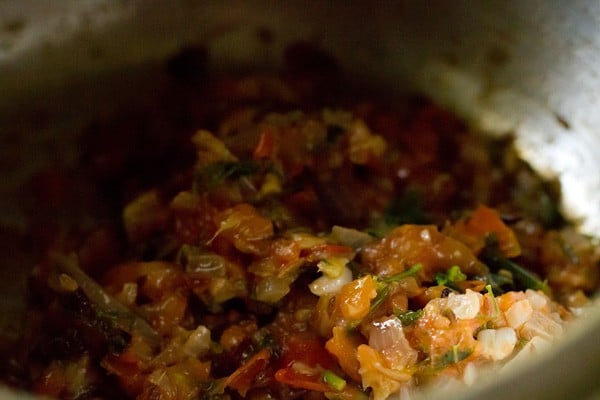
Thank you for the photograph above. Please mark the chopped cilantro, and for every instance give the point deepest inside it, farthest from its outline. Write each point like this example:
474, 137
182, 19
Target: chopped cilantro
525, 278
405, 274
383, 285
500, 281
263, 339
453, 356
214, 174
452, 276
333, 380
488, 288
497, 263
409, 317
382, 294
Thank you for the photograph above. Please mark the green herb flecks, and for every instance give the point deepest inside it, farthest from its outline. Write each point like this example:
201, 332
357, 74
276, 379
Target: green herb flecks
488, 288
501, 281
398, 277
451, 277
525, 278
333, 380
217, 173
263, 339
409, 317
383, 285
453, 356
500, 265
116, 319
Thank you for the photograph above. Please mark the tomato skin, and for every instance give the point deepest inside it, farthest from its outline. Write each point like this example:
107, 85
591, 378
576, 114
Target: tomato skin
242, 378
264, 147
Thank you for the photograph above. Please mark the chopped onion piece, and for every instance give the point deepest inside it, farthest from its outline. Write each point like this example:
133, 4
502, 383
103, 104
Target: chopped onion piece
272, 289
531, 349
198, 263
542, 325
387, 337
306, 240
519, 313
128, 294
332, 267
538, 300
198, 343
350, 237
327, 286
465, 306
470, 374
497, 344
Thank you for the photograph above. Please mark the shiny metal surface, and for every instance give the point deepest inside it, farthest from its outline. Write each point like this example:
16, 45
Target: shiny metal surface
531, 68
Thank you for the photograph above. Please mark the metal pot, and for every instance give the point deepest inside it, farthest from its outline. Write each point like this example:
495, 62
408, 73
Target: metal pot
526, 67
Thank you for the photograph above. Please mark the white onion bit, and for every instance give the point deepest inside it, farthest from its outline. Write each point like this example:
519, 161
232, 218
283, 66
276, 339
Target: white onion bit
465, 306
542, 325
519, 313
387, 336
497, 344
530, 350
198, 342
329, 286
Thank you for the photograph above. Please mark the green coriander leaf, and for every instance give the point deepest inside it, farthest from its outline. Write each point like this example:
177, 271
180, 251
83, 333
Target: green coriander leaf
217, 173
405, 274
452, 276
525, 278
453, 356
409, 317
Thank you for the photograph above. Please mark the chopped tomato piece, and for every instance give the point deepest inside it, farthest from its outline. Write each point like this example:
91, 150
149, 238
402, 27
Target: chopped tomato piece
483, 222
264, 148
355, 297
244, 227
308, 349
243, 377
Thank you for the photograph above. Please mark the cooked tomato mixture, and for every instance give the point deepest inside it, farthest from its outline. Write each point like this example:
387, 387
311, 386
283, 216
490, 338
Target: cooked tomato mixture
300, 242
